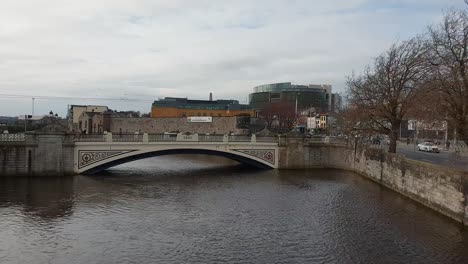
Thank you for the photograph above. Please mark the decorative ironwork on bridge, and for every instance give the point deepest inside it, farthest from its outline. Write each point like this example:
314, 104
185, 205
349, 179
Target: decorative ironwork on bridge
88, 157
267, 155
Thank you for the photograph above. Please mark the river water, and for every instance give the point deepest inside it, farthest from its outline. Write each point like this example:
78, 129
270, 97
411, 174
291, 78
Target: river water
197, 209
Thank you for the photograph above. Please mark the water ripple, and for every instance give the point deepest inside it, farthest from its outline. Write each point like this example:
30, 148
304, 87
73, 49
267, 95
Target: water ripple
171, 212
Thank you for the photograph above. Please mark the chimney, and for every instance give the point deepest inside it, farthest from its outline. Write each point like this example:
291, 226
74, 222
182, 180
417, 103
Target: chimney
211, 96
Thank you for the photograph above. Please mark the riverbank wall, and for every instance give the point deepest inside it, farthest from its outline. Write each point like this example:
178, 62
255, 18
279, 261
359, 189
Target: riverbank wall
38, 155
440, 188
13, 159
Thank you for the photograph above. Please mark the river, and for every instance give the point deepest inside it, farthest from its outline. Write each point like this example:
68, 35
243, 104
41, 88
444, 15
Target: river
197, 209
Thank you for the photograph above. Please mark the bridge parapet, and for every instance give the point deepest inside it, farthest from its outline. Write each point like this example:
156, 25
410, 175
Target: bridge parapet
180, 137
12, 137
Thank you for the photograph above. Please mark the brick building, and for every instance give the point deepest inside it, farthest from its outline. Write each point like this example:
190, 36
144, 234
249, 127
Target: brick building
183, 107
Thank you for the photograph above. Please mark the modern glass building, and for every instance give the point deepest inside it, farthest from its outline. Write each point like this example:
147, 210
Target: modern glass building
307, 96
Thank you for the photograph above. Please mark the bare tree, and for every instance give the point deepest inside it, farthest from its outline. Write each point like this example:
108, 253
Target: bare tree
383, 94
268, 113
448, 61
279, 116
428, 103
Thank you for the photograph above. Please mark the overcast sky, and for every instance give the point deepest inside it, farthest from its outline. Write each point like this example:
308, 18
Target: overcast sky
146, 49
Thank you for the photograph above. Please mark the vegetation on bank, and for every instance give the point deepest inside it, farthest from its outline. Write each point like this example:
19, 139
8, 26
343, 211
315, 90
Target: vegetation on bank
423, 78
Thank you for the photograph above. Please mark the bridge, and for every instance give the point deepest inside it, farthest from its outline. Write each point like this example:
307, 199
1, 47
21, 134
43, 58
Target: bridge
94, 153
37, 154
58, 153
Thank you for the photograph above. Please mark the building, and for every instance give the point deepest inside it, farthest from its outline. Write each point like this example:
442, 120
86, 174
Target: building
94, 122
323, 121
319, 121
313, 123
183, 107
75, 111
424, 129
302, 96
336, 103
98, 123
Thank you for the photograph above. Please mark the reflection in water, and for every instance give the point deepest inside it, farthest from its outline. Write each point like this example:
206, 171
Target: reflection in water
186, 209
42, 197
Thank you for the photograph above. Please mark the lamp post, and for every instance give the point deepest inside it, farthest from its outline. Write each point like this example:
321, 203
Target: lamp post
400, 131
297, 94
446, 133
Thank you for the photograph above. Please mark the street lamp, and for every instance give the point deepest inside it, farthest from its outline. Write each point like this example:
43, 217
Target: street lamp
297, 94
26, 117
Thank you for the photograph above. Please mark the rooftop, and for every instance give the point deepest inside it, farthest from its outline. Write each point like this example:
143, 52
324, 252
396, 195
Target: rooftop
288, 86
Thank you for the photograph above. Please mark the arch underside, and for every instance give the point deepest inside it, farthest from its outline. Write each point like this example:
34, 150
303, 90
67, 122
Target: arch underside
229, 155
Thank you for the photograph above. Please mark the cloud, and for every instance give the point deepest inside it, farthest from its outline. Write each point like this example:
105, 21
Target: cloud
149, 49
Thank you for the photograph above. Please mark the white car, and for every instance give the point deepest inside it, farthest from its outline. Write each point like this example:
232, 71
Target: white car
429, 147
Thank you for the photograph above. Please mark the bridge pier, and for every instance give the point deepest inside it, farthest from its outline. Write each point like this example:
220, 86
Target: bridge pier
52, 155
37, 155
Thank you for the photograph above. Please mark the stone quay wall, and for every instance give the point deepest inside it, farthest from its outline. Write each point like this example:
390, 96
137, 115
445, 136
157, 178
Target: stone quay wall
13, 159
440, 188
38, 155
220, 125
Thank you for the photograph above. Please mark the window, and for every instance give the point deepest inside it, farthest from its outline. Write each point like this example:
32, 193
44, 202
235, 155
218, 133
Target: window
275, 96
204, 114
184, 114
198, 114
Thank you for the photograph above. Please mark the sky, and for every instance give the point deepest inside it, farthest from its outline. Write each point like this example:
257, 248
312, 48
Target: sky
132, 52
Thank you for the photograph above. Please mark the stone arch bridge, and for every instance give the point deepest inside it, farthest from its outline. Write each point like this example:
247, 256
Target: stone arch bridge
49, 154
95, 153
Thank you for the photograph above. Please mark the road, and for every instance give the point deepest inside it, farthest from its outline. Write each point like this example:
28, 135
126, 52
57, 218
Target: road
443, 158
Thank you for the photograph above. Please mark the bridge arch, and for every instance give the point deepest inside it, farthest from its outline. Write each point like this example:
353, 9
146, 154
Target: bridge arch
91, 160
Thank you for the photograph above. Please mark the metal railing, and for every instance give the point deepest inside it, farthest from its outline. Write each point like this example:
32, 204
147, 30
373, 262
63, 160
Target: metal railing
89, 138
162, 137
12, 137
127, 137
239, 138
267, 139
210, 138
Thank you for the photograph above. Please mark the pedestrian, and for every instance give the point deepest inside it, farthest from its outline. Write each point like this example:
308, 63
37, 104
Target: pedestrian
448, 145
407, 141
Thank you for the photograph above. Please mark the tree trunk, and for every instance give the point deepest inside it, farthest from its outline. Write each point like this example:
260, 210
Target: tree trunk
462, 132
393, 137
